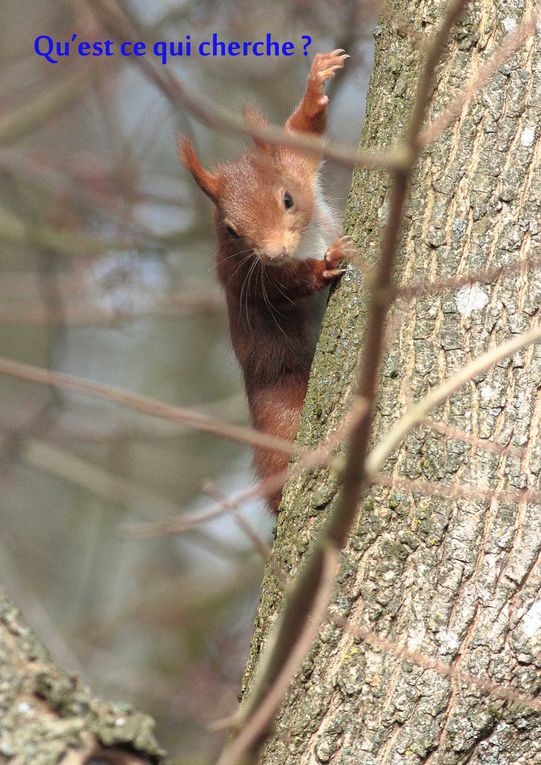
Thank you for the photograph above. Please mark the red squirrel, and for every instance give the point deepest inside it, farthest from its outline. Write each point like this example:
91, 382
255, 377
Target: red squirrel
276, 258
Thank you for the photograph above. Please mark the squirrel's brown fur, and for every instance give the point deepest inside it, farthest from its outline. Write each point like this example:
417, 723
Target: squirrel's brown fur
275, 259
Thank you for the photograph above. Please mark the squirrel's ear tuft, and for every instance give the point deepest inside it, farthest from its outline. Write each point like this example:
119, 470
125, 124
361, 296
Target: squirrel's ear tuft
254, 118
207, 182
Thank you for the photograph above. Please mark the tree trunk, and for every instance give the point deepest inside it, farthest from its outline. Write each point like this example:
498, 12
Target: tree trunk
47, 717
455, 577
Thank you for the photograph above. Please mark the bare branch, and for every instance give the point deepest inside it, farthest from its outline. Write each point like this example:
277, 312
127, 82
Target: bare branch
455, 490
19, 232
317, 458
17, 123
475, 441
95, 479
175, 303
417, 412
486, 277
145, 404
207, 112
263, 549
256, 727
452, 671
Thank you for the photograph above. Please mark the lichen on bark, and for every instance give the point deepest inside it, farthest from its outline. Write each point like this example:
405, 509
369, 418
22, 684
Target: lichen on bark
456, 577
48, 717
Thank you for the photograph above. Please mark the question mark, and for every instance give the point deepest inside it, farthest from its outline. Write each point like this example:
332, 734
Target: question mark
307, 43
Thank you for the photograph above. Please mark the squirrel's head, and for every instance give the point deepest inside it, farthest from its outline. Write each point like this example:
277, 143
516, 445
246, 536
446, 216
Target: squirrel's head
265, 200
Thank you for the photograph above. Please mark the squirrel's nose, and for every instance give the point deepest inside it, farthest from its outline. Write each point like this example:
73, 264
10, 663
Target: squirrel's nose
277, 254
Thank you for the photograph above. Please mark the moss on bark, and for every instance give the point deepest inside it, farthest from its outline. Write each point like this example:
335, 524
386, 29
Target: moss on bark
48, 717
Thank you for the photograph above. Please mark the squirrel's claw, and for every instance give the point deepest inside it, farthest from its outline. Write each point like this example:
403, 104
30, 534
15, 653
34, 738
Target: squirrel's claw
325, 65
333, 273
341, 249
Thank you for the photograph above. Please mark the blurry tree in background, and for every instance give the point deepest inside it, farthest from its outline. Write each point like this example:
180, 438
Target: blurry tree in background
107, 272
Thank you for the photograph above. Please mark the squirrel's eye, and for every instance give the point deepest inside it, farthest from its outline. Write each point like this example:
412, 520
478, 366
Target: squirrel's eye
288, 200
232, 233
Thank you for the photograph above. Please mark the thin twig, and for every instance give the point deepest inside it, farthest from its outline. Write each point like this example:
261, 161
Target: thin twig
256, 727
456, 282
455, 490
441, 668
181, 303
319, 457
212, 115
20, 121
416, 413
475, 441
19, 232
145, 404
263, 549
93, 478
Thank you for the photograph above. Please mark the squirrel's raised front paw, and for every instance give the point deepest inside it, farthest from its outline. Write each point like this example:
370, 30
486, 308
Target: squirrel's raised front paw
324, 67
341, 249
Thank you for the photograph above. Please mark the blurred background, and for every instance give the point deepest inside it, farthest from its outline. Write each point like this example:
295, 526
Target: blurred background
107, 272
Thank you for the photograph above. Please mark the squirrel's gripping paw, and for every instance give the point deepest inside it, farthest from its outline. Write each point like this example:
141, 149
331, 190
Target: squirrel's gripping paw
341, 249
324, 67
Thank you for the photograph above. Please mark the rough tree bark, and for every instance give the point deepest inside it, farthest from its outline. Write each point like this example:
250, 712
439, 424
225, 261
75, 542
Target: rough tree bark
47, 717
455, 578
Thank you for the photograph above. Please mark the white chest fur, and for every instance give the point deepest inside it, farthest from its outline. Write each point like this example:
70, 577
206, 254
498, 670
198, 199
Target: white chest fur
321, 231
